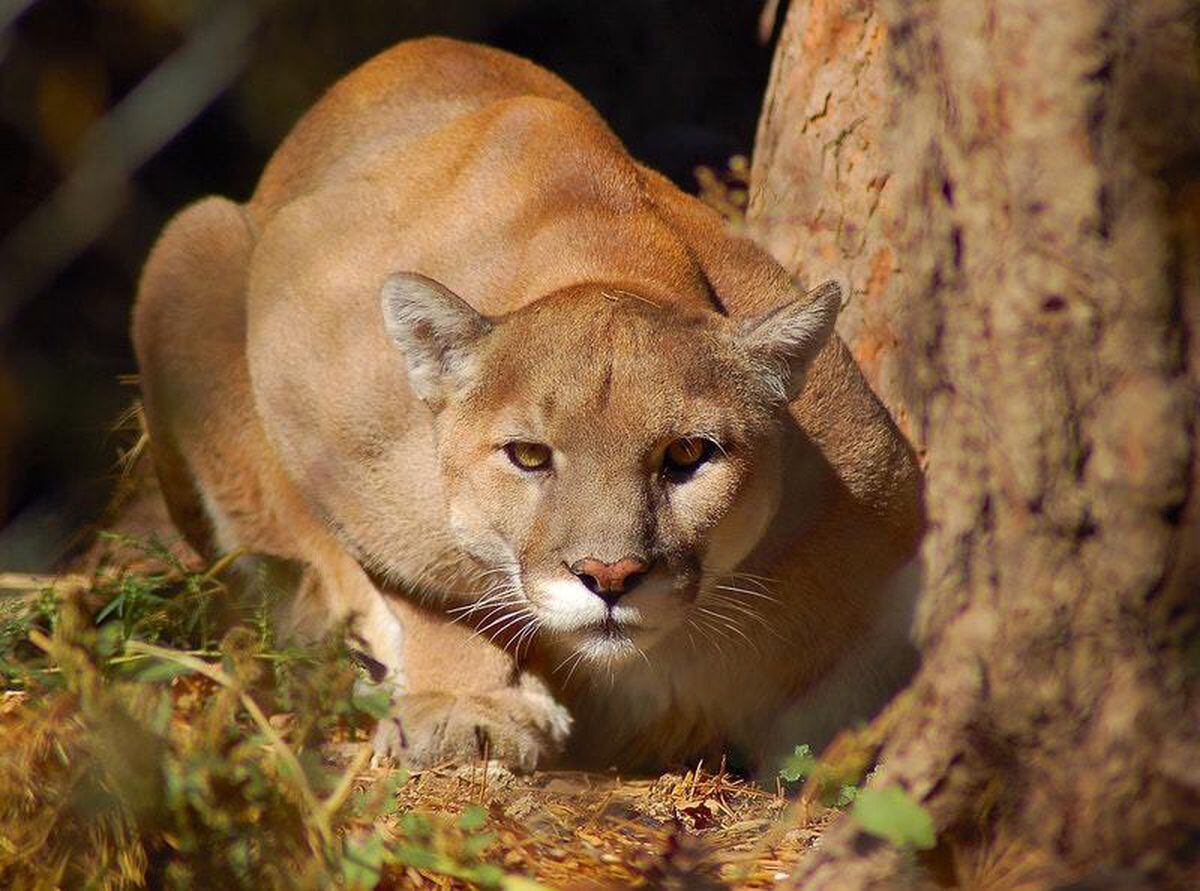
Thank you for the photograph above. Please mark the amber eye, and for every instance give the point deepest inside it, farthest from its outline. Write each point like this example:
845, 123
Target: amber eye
529, 455
683, 456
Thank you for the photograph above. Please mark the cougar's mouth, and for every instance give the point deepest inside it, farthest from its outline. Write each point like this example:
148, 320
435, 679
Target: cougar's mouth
609, 629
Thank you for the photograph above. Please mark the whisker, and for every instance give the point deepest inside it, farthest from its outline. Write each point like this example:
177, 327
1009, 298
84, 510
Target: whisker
752, 576
740, 608
495, 592
523, 615
578, 661
573, 652
730, 625
504, 618
759, 594
495, 570
524, 636
487, 618
732, 573
481, 604
610, 672
487, 609
503, 572
743, 609
707, 632
642, 653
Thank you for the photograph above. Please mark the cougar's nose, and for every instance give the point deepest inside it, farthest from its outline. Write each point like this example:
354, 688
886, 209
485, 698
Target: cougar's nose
609, 581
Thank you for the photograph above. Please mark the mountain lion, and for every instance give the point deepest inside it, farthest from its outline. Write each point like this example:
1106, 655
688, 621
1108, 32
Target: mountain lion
591, 477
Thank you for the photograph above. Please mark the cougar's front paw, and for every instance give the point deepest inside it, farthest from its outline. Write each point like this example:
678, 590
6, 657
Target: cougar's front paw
518, 726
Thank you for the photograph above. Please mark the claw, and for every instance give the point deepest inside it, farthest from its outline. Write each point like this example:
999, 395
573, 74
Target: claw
388, 743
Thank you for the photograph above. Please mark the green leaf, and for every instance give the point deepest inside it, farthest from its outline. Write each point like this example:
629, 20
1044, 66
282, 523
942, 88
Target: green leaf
416, 825
473, 817
376, 703
391, 803
362, 864
109, 608
164, 709
161, 671
421, 858
109, 639
798, 765
486, 876
521, 883
894, 815
473, 846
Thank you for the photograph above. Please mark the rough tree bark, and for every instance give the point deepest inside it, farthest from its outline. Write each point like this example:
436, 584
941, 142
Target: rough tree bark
1013, 187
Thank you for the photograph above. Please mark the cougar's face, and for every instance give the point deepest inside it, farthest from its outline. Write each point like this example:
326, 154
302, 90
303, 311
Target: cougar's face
601, 455
606, 457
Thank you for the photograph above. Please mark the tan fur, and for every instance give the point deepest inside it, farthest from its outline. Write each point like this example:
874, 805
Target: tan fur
449, 249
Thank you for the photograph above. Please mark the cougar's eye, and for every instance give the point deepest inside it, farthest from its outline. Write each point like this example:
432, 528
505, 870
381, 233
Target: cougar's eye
683, 456
529, 455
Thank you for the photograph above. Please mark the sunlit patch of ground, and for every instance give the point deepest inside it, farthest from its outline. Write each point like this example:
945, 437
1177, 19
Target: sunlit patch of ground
569, 830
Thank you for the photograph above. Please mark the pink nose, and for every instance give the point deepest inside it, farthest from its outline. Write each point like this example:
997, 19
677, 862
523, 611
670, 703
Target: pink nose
610, 580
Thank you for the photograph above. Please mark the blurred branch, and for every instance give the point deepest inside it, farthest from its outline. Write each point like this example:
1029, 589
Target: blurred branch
766, 21
10, 11
149, 117
33, 583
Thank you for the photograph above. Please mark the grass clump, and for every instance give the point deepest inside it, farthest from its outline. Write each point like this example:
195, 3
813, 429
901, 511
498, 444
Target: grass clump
151, 742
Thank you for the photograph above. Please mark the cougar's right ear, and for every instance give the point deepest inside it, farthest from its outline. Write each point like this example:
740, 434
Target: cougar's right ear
436, 331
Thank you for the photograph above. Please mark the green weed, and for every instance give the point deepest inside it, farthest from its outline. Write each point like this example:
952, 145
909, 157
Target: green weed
802, 764
889, 813
149, 744
894, 815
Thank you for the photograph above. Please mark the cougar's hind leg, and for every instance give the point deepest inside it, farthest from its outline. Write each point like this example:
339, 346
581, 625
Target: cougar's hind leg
188, 333
222, 480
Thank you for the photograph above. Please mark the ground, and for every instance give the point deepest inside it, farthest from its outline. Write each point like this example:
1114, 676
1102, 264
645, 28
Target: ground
572, 830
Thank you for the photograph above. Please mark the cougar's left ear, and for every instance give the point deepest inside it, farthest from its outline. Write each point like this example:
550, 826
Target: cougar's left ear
436, 330
786, 339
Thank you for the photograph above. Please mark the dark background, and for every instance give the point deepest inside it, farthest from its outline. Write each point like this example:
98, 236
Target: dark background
680, 81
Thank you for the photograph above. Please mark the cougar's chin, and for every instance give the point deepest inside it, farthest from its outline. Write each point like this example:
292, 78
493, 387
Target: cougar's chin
567, 608
609, 646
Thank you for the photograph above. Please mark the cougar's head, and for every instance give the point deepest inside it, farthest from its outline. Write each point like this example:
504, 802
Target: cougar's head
601, 453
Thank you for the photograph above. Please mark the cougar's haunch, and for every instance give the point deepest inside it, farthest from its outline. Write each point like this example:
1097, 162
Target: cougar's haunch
592, 477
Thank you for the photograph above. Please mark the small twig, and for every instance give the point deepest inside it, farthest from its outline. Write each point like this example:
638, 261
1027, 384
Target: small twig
598, 810
27, 582
40, 640
483, 783
346, 784
208, 654
222, 563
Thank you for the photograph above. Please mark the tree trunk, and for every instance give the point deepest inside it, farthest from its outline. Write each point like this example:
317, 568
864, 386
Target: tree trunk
1013, 187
